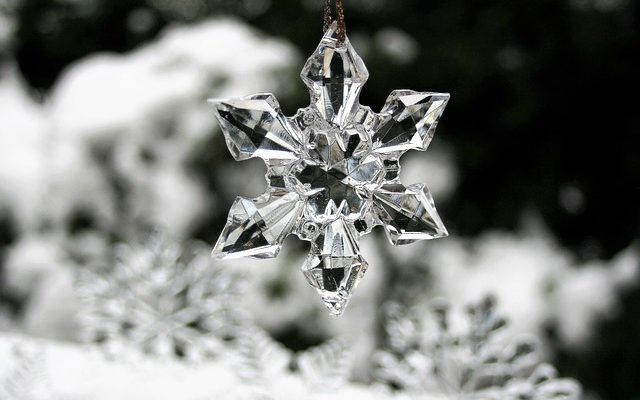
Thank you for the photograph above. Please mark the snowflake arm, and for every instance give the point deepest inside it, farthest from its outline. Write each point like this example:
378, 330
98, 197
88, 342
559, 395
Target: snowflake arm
408, 121
161, 298
256, 228
469, 359
408, 213
254, 126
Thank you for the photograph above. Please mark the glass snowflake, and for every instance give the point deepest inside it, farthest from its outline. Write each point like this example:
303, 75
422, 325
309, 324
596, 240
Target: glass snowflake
160, 298
333, 171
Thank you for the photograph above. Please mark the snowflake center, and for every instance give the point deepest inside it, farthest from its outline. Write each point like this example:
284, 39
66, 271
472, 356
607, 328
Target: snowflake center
339, 172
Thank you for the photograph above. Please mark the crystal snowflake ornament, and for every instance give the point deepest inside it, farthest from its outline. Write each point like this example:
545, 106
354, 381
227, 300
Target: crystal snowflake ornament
333, 171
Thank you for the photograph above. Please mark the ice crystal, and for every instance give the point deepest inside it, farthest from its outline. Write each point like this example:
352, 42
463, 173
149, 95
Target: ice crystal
470, 363
160, 298
333, 171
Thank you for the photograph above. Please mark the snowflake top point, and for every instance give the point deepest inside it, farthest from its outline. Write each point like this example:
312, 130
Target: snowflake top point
335, 75
333, 171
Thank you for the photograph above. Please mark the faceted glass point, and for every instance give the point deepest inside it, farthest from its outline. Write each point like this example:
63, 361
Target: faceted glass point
256, 228
255, 127
408, 121
334, 266
332, 169
334, 278
408, 214
335, 76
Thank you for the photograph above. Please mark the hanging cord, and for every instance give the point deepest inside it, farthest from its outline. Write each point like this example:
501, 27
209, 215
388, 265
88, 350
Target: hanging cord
327, 16
342, 26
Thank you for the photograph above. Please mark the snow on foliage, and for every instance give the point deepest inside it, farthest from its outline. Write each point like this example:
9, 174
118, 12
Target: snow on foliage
109, 153
535, 281
127, 125
22, 375
160, 298
467, 361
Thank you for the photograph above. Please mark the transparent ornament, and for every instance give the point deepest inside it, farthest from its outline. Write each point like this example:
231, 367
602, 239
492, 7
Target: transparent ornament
467, 363
333, 171
160, 298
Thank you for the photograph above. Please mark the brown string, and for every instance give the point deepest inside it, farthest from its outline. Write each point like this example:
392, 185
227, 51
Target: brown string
327, 16
342, 26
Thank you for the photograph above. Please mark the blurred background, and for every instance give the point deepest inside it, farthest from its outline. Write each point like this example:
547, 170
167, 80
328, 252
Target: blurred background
105, 135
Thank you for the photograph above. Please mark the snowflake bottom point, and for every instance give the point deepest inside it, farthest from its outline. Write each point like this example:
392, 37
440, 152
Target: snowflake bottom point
336, 307
334, 278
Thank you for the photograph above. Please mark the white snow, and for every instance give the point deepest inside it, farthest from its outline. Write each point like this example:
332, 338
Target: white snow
71, 372
22, 164
7, 24
109, 93
589, 294
534, 280
113, 122
144, 114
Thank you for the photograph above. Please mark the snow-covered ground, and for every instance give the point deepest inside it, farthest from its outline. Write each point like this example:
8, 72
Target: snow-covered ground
36, 370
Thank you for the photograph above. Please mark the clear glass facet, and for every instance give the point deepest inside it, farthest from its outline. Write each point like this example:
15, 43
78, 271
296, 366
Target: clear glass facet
332, 171
408, 214
338, 173
335, 75
257, 228
334, 265
255, 127
408, 121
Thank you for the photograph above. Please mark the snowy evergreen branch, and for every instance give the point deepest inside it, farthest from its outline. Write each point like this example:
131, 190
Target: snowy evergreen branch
259, 357
161, 299
327, 365
469, 362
